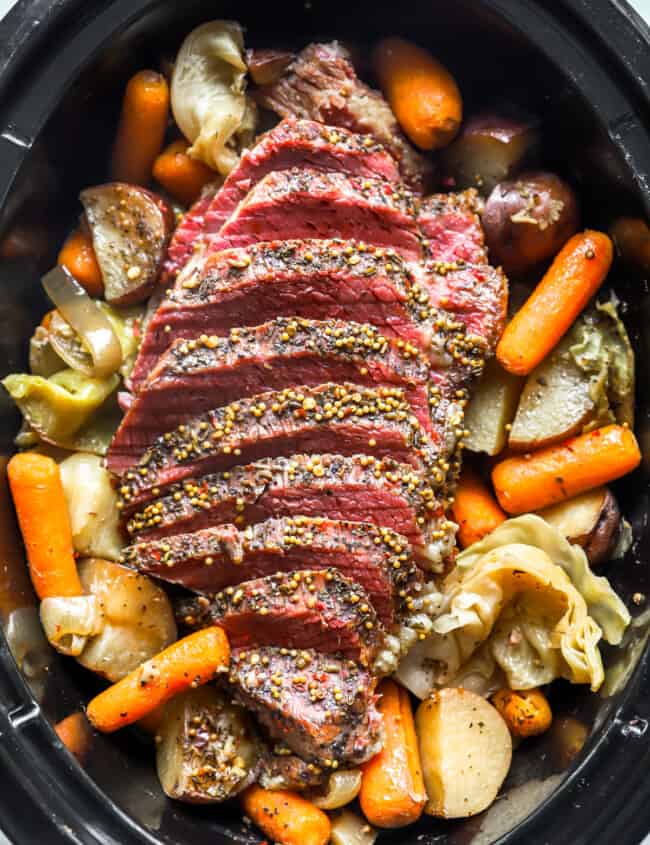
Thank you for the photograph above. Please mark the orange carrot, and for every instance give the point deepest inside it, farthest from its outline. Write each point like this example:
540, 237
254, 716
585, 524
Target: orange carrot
533, 481
75, 733
422, 93
141, 130
525, 712
44, 522
184, 177
286, 817
190, 662
575, 275
475, 509
392, 788
78, 256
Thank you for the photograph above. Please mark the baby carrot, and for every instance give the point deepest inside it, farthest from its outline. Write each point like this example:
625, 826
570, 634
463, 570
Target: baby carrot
422, 93
286, 817
141, 128
475, 509
44, 522
525, 712
78, 256
533, 481
575, 275
184, 177
75, 733
392, 788
189, 662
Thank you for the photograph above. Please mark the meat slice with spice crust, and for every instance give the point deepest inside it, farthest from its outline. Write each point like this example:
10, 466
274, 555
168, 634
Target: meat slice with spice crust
355, 489
337, 418
194, 376
456, 272
280, 768
319, 706
209, 560
292, 143
309, 279
319, 609
307, 203
321, 84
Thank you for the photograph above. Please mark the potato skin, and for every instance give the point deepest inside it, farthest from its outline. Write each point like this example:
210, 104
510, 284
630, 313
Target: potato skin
599, 543
528, 220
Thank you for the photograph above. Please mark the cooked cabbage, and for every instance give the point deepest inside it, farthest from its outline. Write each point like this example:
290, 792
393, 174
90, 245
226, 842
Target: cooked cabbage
600, 346
92, 505
521, 608
57, 407
208, 96
603, 605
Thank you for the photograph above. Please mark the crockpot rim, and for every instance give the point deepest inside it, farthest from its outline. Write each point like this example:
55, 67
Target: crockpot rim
31, 752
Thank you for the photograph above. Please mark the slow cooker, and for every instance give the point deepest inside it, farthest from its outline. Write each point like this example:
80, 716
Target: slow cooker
584, 66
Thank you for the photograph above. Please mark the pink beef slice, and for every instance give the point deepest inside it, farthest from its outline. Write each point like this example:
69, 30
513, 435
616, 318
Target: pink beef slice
292, 143
212, 559
456, 272
360, 488
310, 279
193, 376
321, 84
319, 706
320, 609
341, 418
307, 203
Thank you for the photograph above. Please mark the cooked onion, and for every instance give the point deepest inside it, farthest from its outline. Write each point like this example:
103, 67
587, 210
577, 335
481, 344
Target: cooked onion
69, 621
350, 829
83, 315
342, 788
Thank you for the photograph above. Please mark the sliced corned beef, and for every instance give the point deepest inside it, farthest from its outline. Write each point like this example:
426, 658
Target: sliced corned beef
292, 143
196, 375
321, 707
282, 769
319, 609
456, 272
306, 203
210, 560
356, 489
321, 84
338, 418
312, 279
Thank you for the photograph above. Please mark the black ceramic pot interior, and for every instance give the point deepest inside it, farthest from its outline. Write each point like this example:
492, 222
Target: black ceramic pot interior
498, 51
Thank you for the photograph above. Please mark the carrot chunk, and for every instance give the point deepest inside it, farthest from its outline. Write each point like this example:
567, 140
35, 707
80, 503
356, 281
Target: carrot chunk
179, 174
78, 256
422, 93
533, 481
575, 275
286, 817
141, 130
475, 509
189, 662
44, 522
392, 788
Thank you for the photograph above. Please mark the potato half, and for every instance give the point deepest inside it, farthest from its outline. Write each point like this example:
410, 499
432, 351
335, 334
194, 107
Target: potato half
466, 752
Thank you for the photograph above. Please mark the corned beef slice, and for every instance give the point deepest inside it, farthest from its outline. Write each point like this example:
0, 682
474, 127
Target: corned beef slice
321, 707
320, 280
195, 376
336, 418
321, 84
281, 769
356, 489
307, 203
320, 609
292, 143
210, 560
456, 272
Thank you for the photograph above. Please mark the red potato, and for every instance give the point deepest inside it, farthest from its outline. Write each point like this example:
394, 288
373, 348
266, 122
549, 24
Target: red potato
528, 220
267, 65
490, 148
130, 228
